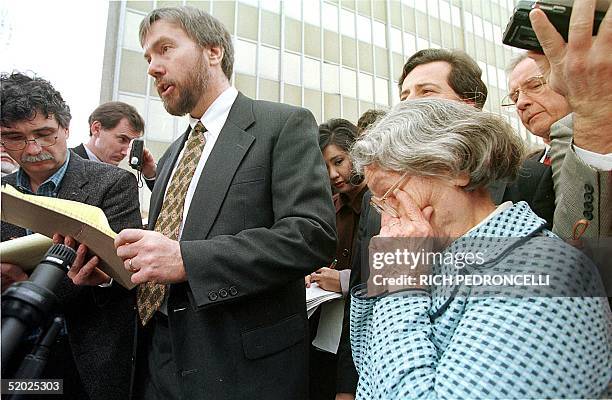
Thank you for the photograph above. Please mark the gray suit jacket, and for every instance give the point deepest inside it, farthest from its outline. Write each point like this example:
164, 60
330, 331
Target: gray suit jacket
80, 150
581, 191
261, 219
100, 321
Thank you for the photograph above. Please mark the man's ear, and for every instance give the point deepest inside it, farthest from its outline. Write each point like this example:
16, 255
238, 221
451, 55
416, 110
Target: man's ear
95, 128
215, 54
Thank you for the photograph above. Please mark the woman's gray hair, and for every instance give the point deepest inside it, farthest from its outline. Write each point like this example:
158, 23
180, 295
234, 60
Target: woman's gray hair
442, 139
200, 26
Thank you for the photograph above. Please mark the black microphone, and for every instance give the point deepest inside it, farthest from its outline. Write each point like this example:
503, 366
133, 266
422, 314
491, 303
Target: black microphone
34, 363
27, 304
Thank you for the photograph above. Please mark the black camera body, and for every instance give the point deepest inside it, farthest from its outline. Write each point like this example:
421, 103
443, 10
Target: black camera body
519, 32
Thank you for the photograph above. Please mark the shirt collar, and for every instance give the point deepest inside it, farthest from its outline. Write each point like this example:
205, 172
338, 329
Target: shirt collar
215, 116
500, 208
91, 154
508, 225
52, 183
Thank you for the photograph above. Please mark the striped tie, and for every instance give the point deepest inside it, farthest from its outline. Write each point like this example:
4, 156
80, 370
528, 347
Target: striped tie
151, 294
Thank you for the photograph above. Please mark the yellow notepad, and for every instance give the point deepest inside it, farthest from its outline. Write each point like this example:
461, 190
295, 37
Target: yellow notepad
85, 223
26, 251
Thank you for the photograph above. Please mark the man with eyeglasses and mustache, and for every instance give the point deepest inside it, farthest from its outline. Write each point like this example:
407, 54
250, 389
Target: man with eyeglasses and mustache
93, 352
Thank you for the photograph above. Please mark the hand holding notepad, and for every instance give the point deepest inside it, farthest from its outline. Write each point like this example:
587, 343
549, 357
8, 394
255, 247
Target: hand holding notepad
85, 223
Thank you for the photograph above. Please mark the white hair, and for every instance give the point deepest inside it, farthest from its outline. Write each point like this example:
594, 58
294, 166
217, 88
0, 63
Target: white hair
442, 139
514, 61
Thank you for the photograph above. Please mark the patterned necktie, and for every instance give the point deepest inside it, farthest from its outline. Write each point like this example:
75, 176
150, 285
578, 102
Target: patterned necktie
150, 294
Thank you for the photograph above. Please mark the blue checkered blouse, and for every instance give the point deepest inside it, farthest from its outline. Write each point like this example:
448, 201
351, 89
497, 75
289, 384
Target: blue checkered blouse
434, 345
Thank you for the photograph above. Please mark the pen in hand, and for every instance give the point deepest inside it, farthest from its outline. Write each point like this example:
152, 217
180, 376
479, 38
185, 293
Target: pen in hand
333, 264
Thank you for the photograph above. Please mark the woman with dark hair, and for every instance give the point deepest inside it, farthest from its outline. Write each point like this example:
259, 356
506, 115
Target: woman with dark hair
336, 138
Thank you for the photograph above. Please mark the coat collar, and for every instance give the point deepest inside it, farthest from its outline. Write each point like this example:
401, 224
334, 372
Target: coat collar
341, 200
74, 181
232, 145
500, 233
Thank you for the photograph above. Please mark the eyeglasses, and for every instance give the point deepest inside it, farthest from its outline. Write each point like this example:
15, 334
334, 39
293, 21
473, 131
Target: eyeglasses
380, 203
534, 85
20, 144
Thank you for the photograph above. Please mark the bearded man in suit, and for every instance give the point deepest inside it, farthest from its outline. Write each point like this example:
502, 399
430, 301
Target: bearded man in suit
241, 211
93, 352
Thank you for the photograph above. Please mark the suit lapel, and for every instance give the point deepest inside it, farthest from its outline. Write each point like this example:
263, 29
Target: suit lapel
80, 150
73, 182
163, 177
232, 145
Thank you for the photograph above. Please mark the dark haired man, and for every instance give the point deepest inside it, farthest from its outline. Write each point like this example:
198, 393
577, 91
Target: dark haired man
112, 126
446, 74
368, 118
241, 211
93, 354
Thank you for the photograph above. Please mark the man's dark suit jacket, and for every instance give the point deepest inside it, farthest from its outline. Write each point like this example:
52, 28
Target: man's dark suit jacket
533, 185
260, 220
100, 321
80, 150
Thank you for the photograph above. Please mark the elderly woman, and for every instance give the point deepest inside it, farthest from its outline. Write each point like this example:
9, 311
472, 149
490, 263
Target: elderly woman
428, 163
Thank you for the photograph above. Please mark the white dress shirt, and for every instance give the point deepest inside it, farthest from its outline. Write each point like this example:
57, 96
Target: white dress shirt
546, 151
91, 154
213, 120
602, 162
